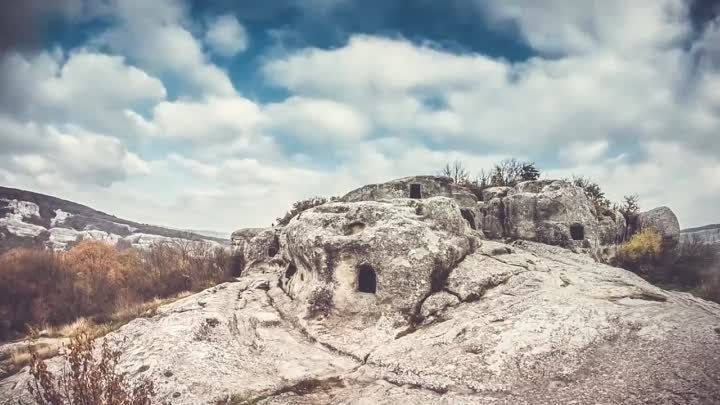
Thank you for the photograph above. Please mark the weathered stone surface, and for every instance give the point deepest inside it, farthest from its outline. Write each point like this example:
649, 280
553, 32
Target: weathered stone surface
663, 220
514, 324
429, 186
552, 212
255, 244
495, 192
402, 241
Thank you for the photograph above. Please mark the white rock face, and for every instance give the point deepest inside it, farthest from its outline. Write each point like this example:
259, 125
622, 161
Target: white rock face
62, 238
14, 220
19, 228
60, 217
22, 209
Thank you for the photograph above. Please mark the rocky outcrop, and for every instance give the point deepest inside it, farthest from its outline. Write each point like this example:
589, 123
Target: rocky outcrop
520, 323
394, 249
553, 212
417, 187
400, 301
709, 234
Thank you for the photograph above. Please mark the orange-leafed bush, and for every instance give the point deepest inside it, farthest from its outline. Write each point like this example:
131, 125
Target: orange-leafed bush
33, 286
94, 279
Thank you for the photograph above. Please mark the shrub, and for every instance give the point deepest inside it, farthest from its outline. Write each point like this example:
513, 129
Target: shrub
96, 280
456, 171
508, 172
593, 192
86, 379
320, 302
33, 288
642, 250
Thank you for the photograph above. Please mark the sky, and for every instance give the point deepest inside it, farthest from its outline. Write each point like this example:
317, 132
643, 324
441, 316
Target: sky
219, 114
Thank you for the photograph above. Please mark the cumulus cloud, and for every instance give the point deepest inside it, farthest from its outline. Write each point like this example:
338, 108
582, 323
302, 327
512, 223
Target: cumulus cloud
317, 120
562, 27
226, 36
86, 88
153, 34
72, 155
619, 92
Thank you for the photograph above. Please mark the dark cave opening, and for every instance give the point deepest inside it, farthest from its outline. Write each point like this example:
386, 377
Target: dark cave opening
367, 279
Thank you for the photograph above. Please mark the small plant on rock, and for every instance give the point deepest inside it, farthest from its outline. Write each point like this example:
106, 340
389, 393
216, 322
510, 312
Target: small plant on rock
320, 302
86, 378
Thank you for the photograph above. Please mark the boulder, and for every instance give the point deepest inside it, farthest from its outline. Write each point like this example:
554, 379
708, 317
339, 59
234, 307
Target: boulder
663, 220
381, 255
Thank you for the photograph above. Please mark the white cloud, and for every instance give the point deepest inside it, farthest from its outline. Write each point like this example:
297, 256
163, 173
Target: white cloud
213, 118
581, 152
152, 33
317, 120
619, 100
559, 26
86, 88
226, 36
72, 155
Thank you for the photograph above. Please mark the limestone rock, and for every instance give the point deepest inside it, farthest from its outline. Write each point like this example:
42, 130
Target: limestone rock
391, 248
255, 244
414, 187
663, 220
495, 192
525, 323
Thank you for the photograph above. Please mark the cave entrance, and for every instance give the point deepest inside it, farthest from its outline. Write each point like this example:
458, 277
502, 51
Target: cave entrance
290, 271
274, 247
237, 265
415, 191
367, 280
577, 232
469, 217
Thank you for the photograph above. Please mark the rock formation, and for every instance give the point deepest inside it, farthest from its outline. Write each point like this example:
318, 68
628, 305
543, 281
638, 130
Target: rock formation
400, 301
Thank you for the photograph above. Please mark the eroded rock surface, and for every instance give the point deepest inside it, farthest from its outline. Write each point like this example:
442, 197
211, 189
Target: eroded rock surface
521, 323
498, 323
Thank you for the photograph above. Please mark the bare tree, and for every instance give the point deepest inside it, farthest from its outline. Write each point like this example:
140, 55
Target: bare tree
456, 171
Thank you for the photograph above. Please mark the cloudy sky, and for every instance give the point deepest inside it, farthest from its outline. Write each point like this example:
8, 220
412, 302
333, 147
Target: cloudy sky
217, 115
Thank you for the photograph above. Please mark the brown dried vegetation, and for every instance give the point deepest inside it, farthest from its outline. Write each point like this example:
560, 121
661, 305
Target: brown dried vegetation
86, 379
98, 281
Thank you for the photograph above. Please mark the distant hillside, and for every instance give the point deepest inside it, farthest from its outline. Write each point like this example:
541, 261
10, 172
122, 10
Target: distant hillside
707, 233
31, 219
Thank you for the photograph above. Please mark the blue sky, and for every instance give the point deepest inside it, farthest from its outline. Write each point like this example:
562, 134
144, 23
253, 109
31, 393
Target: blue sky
220, 114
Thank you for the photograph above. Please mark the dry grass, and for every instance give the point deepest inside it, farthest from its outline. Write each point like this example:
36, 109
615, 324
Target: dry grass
48, 342
22, 357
